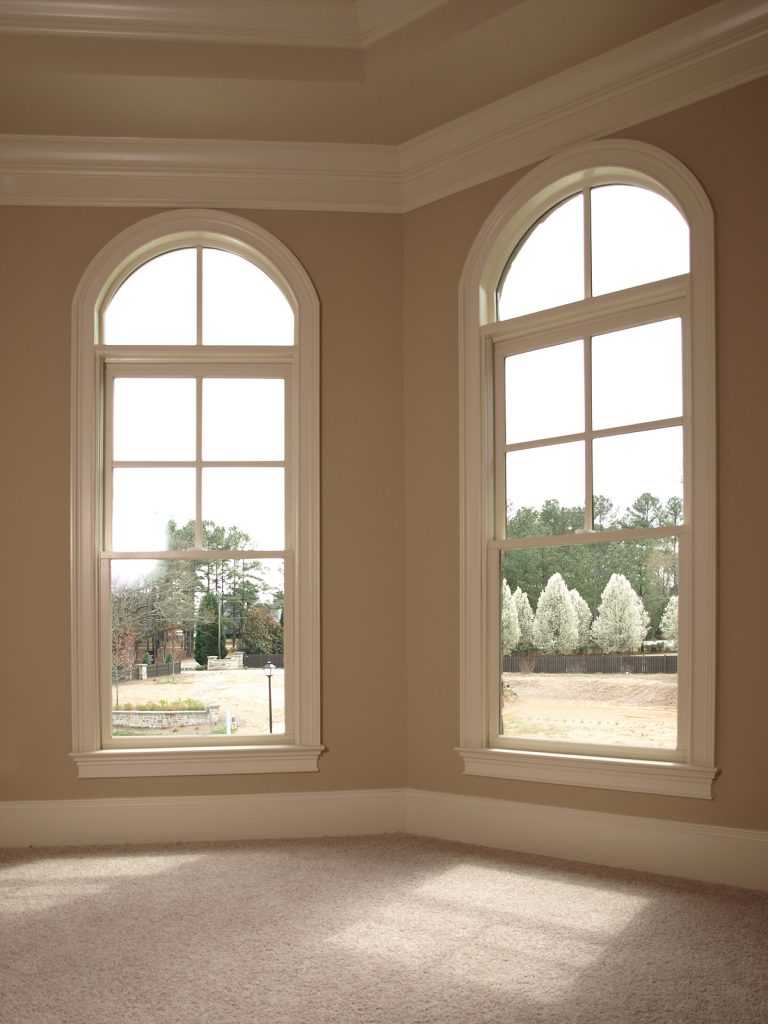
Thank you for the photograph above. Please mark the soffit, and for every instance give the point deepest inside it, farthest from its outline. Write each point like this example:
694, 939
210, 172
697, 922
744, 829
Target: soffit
330, 71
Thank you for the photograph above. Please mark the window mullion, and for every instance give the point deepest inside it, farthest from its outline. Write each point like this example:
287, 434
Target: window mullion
587, 243
199, 297
106, 526
199, 463
588, 436
499, 429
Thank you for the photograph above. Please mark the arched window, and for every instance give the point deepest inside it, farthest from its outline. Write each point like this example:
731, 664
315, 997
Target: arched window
195, 503
588, 465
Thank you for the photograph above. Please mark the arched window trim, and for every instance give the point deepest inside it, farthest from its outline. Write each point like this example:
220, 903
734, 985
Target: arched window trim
616, 161
110, 267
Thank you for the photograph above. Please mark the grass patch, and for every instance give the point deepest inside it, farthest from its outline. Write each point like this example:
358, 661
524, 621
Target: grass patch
181, 704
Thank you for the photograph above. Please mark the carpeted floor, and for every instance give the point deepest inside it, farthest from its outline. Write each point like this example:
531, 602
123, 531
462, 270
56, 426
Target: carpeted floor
372, 930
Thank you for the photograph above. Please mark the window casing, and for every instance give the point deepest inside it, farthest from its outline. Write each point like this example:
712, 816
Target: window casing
486, 342
291, 364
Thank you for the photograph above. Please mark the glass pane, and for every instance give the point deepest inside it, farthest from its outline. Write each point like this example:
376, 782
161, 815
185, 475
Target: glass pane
640, 475
545, 490
154, 419
168, 618
243, 420
545, 393
145, 505
157, 304
637, 375
241, 304
588, 643
547, 269
637, 237
253, 500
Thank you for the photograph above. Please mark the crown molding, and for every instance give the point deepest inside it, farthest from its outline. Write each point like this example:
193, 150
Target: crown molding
713, 51
697, 57
380, 18
314, 23
78, 171
342, 24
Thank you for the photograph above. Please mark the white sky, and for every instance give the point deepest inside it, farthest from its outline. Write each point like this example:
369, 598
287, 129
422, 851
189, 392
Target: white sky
157, 304
637, 237
624, 467
127, 571
155, 420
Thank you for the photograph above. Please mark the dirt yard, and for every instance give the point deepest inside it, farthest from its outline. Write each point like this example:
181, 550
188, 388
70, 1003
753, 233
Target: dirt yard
243, 691
631, 710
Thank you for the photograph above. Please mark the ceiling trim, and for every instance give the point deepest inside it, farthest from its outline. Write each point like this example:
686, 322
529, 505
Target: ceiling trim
332, 23
690, 60
57, 170
381, 18
722, 47
342, 24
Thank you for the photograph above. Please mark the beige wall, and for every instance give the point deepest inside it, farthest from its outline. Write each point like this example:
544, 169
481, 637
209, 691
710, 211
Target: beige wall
723, 142
355, 264
388, 288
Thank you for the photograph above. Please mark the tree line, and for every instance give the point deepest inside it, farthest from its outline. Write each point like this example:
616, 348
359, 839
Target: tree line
563, 622
576, 590
198, 606
649, 565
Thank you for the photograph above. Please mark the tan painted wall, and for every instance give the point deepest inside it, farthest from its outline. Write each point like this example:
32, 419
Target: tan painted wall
723, 142
355, 264
390, 486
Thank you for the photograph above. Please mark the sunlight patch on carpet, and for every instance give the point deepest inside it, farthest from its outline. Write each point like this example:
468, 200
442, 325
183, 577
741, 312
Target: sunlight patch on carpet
478, 925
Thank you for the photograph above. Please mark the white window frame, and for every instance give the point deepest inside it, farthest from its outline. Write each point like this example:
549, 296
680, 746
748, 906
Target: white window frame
298, 752
692, 770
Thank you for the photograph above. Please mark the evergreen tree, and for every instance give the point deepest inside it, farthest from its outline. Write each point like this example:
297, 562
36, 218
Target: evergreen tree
583, 617
622, 621
262, 633
669, 623
207, 631
524, 619
510, 626
555, 626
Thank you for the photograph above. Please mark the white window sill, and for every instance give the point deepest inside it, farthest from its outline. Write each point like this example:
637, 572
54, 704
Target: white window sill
668, 778
128, 763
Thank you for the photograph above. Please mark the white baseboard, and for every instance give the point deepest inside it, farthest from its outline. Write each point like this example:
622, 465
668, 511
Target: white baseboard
709, 853
201, 818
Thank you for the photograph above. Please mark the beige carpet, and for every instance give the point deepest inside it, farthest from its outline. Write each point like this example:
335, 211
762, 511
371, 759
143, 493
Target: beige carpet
374, 930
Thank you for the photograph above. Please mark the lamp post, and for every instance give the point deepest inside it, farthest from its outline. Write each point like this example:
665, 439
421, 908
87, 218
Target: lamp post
269, 668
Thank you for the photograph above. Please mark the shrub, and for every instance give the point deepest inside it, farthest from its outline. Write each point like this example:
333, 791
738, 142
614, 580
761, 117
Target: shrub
555, 625
622, 621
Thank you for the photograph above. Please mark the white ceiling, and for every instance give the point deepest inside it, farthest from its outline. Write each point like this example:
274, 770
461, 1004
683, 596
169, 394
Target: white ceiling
376, 105
332, 71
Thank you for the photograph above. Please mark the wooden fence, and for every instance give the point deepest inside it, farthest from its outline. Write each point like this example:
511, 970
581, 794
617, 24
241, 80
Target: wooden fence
587, 663
123, 675
260, 660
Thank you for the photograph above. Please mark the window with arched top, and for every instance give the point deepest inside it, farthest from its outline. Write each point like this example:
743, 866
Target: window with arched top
195, 503
588, 466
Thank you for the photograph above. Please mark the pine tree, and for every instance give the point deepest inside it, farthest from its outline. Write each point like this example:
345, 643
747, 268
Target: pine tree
583, 617
207, 631
669, 623
622, 621
555, 625
510, 626
525, 619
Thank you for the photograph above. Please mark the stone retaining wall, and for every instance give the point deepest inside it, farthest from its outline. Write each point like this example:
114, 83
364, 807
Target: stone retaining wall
165, 719
231, 661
